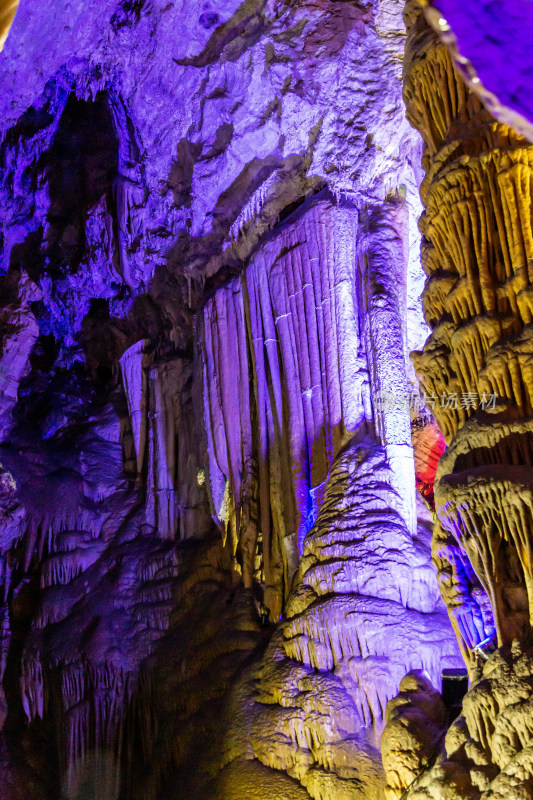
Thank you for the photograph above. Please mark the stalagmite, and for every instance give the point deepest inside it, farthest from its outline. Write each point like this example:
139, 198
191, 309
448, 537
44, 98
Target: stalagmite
487, 751
363, 612
415, 723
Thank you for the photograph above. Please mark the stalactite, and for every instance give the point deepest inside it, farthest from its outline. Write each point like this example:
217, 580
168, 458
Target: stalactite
312, 346
134, 365
267, 335
477, 225
159, 397
162, 505
477, 253
132, 192
19, 334
383, 293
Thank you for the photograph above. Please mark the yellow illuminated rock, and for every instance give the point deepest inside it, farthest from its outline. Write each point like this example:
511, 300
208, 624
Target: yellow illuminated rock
477, 252
8, 10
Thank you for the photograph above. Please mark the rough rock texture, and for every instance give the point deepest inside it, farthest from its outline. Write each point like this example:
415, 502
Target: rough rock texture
477, 229
415, 723
476, 251
314, 455
209, 288
490, 44
364, 610
310, 360
487, 750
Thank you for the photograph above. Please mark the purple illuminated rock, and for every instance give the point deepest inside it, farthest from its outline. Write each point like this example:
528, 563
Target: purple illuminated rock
209, 278
363, 611
294, 365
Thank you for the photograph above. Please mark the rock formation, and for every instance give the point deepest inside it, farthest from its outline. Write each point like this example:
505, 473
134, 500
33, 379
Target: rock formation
218, 467
8, 10
487, 750
364, 610
476, 228
476, 251
490, 46
292, 335
415, 723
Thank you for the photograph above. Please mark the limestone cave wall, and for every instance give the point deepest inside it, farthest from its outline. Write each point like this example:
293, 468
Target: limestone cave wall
243, 533
476, 231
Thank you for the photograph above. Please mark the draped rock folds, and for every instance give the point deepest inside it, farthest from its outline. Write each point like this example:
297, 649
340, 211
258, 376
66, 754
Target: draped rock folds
212, 572
311, 474
477, 251
364, 610
296, 355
